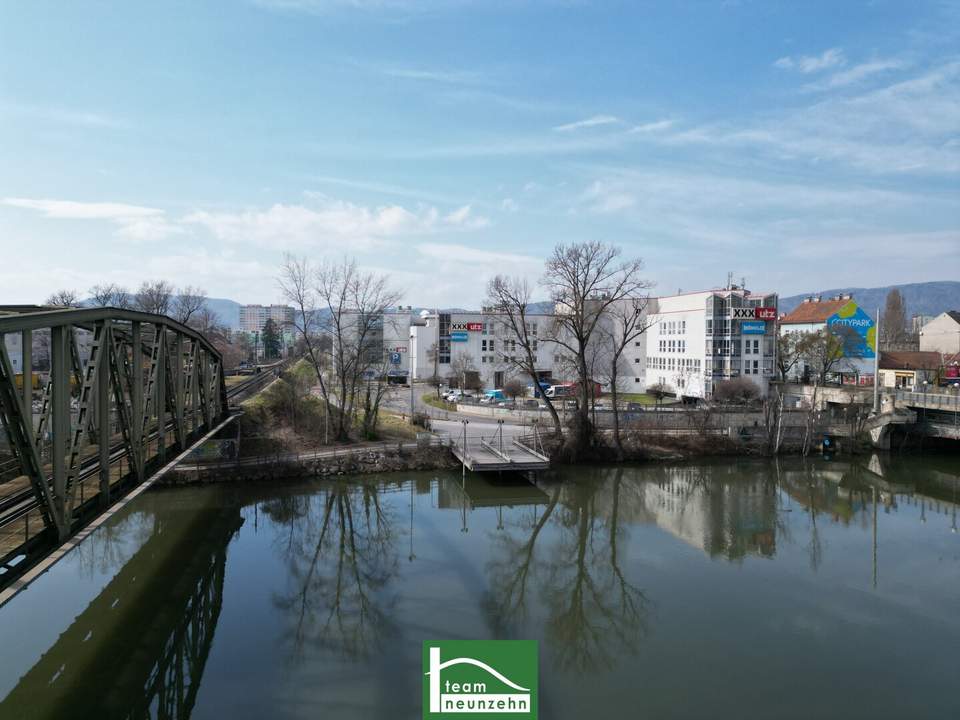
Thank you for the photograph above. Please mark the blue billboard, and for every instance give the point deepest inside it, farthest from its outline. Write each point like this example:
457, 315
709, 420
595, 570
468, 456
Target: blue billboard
458, 336
753, 327
857, 330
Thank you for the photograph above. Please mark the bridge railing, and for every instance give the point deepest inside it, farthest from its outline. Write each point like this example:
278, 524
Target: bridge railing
948, 400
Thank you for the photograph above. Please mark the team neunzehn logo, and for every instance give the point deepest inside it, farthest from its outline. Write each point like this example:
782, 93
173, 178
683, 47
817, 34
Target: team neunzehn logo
480, 679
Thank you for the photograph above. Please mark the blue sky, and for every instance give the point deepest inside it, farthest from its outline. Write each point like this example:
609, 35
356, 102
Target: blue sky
801, 145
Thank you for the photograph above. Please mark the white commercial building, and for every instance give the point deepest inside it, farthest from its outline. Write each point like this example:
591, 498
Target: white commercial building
440, 343
699, 339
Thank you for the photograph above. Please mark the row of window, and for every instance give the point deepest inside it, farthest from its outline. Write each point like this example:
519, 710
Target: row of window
672, 327
669, 346
670, 363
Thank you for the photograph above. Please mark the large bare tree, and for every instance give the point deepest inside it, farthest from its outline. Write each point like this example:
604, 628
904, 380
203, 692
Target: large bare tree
356, 304
584, 281
188, 302
626, 323
350, 306
297, 286
110, 295
63, 298
509, 297
154, 296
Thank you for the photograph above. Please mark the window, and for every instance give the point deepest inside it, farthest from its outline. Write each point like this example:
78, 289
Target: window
636, 360
636, 379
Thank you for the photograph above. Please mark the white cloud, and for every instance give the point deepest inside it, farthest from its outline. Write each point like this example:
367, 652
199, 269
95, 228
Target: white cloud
509, 205
652, 127
331, 223
70, 209
134, 222
807, 64
594, 121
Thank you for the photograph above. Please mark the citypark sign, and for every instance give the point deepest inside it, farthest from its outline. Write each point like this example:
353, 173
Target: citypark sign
857, 330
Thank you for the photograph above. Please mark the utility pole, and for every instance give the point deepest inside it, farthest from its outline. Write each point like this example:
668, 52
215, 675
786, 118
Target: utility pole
876, 367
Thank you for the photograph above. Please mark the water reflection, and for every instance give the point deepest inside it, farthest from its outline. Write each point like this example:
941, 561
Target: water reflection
333, 585
340, 555
139, 648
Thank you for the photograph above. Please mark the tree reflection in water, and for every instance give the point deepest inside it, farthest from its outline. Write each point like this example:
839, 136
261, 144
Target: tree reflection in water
338, 547
594, 612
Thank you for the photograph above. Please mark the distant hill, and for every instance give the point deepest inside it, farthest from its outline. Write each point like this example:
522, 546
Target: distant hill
929, 298
227, 310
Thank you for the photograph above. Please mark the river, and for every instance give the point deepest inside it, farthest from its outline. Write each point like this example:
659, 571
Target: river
726, 588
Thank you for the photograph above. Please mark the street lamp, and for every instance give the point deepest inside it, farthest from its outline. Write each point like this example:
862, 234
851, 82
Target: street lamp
463, 452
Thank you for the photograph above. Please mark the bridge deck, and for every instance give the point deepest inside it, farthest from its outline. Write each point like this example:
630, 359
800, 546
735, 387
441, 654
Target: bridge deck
481, 456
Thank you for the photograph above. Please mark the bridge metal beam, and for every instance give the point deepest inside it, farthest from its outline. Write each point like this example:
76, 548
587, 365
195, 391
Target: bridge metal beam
178, 387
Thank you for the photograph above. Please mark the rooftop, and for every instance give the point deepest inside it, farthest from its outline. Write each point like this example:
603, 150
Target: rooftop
815, 310
909, 360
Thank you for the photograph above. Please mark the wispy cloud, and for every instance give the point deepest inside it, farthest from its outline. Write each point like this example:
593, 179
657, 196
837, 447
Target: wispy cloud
134, 222
856, 74
66, 116
652, 126
70, 209
806, 64
455, 77
329, 224
594, 121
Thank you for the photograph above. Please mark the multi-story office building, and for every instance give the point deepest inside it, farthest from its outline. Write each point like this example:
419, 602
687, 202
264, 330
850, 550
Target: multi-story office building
254, 317
699, 339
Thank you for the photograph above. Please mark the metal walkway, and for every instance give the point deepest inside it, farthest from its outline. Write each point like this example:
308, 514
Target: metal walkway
495, 454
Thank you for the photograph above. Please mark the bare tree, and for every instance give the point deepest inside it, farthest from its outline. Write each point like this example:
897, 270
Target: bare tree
205, 320
63, 298
513, 388
461, 367
110, 295
893, 327
355, 303
789, 353
154, 297
510, 300
296, 285
188, 302
584, 280
627, 321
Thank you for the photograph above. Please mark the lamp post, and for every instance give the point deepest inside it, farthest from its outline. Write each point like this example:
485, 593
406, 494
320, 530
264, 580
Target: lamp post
463, 452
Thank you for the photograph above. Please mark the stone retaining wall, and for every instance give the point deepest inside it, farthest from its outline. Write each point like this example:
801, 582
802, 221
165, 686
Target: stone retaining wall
362, 462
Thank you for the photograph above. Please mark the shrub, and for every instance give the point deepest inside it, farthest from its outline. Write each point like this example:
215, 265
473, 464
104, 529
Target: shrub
736, 391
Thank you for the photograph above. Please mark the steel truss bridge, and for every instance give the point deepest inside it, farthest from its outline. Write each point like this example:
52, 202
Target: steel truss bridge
147, 388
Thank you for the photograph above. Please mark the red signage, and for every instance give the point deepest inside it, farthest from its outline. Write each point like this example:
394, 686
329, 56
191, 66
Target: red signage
475, 326
765, 313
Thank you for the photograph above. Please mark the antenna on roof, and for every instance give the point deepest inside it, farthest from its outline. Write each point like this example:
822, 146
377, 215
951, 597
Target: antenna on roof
729, 279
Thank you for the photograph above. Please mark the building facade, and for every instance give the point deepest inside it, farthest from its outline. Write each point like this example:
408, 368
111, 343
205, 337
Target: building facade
697, 340
840, 315
942, 333
254, 317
